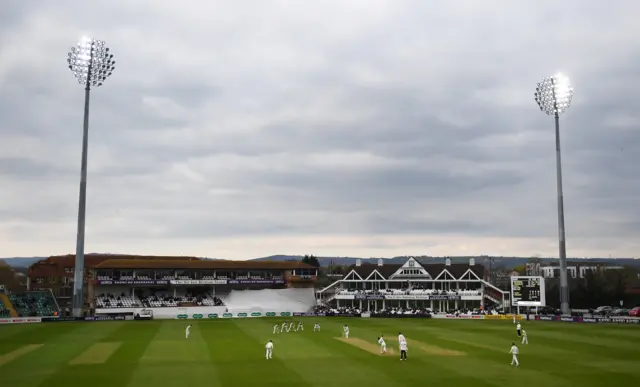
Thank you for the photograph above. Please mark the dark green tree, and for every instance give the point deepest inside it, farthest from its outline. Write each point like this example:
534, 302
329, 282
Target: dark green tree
311, 260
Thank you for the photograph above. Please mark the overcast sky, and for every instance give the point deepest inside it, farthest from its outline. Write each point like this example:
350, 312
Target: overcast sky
240, 129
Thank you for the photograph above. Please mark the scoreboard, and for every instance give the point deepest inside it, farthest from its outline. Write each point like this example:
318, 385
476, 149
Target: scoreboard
527, 291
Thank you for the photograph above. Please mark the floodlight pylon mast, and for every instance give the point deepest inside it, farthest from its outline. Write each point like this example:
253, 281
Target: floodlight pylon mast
91, 64
553, 95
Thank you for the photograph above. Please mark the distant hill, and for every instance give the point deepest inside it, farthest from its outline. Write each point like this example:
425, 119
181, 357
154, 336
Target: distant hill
21, 262
503, 262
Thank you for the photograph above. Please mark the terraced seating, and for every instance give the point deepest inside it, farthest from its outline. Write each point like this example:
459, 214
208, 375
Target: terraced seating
113, 301
34, 303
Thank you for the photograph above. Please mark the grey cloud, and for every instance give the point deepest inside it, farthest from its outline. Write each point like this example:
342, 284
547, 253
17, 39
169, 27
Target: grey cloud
407, 120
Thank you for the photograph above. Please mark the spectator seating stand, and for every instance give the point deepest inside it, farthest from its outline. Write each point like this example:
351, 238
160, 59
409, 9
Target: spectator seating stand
35, 303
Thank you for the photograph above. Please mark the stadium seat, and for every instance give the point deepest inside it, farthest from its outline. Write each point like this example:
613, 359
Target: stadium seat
34, 303
112, 301
4, 310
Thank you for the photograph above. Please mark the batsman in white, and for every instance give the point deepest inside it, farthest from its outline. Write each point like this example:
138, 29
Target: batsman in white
383, 345
269, 348
514, 355
345, 331
316, 327
187, 331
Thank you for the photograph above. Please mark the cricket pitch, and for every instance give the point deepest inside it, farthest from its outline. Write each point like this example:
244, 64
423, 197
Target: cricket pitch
372, 348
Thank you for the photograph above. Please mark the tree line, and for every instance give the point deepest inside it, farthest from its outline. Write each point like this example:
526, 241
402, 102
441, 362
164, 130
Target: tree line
598, 288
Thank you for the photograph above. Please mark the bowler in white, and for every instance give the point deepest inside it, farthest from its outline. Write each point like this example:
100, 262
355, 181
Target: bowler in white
514, 355
269, 348
383, 345
187, 331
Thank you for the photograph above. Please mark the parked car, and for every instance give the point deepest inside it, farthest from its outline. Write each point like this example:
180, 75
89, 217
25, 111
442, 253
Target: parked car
635, 312
620, 312
603, 311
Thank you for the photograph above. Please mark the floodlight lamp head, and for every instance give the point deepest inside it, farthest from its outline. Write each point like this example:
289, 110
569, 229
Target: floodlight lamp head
554, 94
91, 62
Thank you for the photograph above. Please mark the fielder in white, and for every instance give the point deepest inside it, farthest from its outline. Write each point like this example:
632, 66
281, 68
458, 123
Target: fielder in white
316, 327
524, 337
345, 331
276, 329
383, 345
514, 355
283, 328
514, 318
187, 331
269, 348
300, 326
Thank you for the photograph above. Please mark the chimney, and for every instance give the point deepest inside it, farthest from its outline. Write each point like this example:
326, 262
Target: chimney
358, 262
379, 261
472, 262
447, 262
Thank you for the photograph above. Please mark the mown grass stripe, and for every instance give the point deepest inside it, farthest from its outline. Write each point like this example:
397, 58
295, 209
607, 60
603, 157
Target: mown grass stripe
98, 353
13, 355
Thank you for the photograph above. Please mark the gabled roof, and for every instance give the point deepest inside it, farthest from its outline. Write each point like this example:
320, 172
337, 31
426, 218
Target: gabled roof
413, 265
434, 269
375, 276
365, 270
91, 260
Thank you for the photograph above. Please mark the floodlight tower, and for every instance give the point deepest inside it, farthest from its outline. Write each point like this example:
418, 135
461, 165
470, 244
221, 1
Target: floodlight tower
553, 96
91, 64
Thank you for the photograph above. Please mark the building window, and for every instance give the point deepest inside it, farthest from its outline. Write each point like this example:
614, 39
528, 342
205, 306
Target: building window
39, 280
68, 270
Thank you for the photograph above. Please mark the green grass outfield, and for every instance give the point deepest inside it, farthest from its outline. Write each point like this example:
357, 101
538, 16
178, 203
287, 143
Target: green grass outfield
231, 353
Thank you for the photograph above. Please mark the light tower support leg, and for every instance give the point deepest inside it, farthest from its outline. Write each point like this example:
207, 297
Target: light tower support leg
78, 284
564, 282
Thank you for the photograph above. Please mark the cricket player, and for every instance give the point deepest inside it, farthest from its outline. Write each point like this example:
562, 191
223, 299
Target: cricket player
383, 345
276, 329
519, 329
514, 355
401, 338
514, 318
283, 328
345, 330
300, 326
269, 348
316, 327
403, 350
290, 326
524, 337
187, 331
